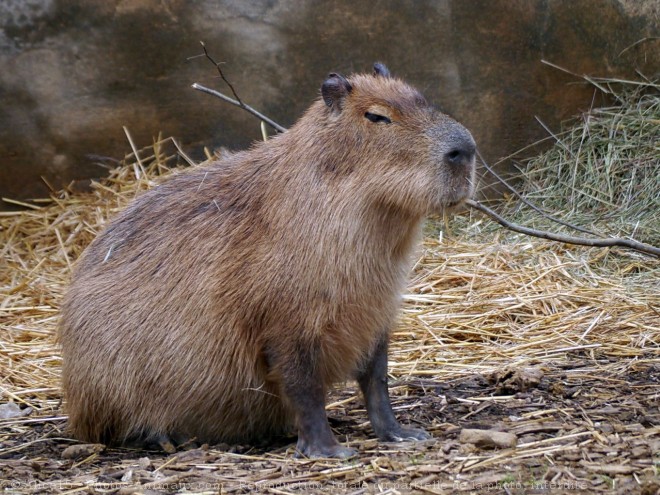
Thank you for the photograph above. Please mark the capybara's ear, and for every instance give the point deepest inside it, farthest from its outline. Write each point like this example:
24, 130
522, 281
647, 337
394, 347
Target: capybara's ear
380, 70
334, 89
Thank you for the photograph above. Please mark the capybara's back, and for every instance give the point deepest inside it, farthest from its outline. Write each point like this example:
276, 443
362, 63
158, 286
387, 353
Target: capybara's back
156, 328
222, 304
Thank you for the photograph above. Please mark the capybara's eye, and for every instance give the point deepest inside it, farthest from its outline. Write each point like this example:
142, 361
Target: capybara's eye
374, 117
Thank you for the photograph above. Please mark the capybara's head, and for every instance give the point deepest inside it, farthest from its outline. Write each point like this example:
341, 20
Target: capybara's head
402, 151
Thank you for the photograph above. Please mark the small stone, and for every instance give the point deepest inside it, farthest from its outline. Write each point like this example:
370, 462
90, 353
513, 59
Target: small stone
512, 380
12, 410
82, 450
488, 439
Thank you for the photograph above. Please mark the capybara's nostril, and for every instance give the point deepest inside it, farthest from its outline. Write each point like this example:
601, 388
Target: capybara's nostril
462, 155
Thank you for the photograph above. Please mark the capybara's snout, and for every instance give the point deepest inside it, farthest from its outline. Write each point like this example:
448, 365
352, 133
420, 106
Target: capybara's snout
463, 150
454, 150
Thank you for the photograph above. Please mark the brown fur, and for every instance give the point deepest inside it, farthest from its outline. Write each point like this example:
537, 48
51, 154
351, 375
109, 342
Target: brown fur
182, 312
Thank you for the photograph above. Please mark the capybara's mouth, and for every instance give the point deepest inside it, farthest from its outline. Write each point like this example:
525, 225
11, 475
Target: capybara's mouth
457, 202
454, 204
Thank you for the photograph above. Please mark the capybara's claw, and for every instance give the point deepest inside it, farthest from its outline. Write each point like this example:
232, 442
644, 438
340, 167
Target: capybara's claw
404, 434
333, 451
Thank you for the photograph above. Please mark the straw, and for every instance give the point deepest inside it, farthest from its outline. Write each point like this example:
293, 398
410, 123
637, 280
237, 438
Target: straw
604, 171
483, 308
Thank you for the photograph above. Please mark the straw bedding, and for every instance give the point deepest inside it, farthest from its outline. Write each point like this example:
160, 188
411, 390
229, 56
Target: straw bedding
555, 344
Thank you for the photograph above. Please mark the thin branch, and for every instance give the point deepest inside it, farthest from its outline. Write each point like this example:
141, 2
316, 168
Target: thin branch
244, 106
236, 100
222, 75
580, 241
529, 203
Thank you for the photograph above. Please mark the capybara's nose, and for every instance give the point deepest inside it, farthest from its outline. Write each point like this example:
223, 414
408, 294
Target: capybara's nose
462, 154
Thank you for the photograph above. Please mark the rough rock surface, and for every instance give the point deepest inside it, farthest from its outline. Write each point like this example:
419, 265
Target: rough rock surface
74, 72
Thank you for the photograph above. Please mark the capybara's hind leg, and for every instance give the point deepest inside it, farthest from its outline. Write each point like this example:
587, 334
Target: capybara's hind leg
373, 382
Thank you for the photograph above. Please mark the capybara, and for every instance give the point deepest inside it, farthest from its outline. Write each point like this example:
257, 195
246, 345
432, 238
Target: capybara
222, 304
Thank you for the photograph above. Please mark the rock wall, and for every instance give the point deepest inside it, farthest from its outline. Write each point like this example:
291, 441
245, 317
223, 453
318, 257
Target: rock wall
75, 71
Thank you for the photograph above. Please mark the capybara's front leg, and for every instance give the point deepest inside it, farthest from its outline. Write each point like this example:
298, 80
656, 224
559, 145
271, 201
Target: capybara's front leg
373, 382
305, 392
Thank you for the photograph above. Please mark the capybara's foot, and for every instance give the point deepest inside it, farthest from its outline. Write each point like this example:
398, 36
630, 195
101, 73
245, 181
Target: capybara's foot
336, 451
403, 434
167, 445
373, 382
156, 441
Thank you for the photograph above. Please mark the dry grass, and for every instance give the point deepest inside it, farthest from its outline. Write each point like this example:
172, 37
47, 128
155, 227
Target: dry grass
603, 173
479, 304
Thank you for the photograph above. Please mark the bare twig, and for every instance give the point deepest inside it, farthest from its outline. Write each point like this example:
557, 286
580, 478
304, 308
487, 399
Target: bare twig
244, 106
529, 203
580, 241
236, 100
222, 75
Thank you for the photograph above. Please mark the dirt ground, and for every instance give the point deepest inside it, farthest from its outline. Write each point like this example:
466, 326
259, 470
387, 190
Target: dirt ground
578, 429
555, 347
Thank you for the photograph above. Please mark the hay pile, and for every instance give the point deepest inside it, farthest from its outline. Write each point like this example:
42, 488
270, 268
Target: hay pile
603, 173
39, 246
480, 302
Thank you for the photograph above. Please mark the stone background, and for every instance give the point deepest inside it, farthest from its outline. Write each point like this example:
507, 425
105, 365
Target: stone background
73, 72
